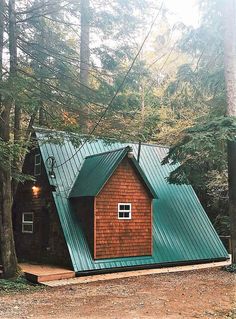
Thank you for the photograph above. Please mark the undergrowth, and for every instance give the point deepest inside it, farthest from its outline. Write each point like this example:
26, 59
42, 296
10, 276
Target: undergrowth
230, 268
19, 284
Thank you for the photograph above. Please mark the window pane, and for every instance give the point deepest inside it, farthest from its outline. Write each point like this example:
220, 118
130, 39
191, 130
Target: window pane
28, 228
37, 159
28, 217
37, 165
127, 207
124, 215
122, 207
37, 169
121, 215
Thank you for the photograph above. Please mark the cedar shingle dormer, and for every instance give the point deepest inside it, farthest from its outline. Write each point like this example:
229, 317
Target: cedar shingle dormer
113, 200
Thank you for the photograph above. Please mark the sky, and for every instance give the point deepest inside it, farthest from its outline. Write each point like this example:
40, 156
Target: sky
184, 10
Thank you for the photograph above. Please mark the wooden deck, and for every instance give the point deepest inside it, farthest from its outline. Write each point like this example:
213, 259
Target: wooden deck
56, 276
135, 273
43, 273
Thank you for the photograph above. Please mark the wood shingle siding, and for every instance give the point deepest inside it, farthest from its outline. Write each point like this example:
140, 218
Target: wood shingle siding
46, 243
123, 237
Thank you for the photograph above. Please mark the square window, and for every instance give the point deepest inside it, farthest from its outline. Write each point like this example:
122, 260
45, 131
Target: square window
27, 217
124, 211
28, 222
27, 228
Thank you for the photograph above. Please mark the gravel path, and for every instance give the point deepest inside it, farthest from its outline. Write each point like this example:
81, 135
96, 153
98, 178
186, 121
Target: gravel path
195, 294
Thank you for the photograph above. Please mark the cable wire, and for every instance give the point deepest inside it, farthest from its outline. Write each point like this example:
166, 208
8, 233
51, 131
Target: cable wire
118, 89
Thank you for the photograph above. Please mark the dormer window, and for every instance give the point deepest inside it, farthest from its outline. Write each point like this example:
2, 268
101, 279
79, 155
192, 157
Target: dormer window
124, 211
37, 165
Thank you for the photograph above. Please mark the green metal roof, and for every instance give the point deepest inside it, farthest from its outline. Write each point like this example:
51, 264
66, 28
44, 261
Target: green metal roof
182, 232
98, 168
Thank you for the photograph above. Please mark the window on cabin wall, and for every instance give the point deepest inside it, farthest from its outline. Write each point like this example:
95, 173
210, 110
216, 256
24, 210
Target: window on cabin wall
124, 211
37, 165
28, 222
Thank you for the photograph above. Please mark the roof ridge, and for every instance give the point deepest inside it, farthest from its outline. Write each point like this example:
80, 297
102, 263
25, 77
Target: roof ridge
82, 136
51, 130
108, 152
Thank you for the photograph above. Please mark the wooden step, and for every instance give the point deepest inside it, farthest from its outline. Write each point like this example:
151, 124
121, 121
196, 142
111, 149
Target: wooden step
40, 278
43, 273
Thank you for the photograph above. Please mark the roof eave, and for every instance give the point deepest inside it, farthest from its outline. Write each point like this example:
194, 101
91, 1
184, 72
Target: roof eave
113, 168
144, 178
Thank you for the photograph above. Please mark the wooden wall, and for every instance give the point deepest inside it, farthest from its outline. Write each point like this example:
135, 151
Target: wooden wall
47, 243
122, 238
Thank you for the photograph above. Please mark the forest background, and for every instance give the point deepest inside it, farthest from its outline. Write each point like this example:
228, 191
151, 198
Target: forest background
96, 68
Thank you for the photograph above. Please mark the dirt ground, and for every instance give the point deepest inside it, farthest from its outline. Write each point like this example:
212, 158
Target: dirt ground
195, 294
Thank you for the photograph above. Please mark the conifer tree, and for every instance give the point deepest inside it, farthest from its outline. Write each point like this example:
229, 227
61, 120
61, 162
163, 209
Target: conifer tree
230, 79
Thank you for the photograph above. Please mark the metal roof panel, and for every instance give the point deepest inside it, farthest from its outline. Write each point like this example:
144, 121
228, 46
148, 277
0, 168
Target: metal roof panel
98, 168
182, 232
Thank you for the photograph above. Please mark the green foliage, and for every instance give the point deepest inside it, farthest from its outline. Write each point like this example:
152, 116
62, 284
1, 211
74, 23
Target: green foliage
17, 285
202, 149
231, 268
174, 94
199, 87
222, 224
9, 151
49, 61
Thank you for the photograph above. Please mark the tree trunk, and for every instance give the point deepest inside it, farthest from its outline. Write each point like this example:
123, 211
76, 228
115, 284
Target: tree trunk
13, 66
17, 122
84, 58
41, 104
1, 44
12, 80
84, 42
7, 247
1, 65
230, 79
41, 116
8, 255
40, 70
232, 195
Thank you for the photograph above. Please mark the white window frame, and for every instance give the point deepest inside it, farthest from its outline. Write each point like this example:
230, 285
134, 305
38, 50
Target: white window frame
27, 223
37, 164
125, 210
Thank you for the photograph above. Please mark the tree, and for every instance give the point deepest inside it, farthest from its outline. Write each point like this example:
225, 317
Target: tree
84, 56
84, 41
197, 98
7, 246
43, 81
230, 78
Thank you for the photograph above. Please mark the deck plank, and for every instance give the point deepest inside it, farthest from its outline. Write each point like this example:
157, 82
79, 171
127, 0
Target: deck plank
135, 273
41, 273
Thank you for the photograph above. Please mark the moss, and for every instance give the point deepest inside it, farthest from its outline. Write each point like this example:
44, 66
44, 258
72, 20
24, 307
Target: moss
19, 284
